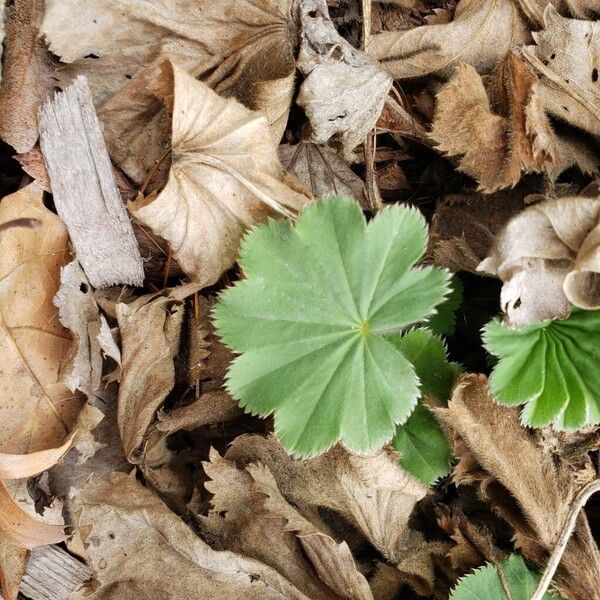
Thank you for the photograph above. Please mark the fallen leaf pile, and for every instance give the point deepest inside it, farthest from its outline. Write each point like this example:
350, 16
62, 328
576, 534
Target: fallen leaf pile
299, 299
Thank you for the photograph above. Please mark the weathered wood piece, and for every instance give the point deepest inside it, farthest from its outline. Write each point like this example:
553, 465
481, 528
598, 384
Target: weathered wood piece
85, 192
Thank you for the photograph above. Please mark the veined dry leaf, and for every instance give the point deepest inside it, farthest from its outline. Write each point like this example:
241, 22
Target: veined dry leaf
481, 35
249, 516
495, 147
566, 56
141, 550
77, 311
241, 48
14, 562
27, 75
371, 492
554, 246
508, 465
344, 90
322, 171
225, 177
150, 328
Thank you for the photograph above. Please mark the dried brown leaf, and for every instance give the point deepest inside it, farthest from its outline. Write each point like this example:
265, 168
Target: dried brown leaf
344, 89
495, 146
140, 550
481, 35
527, 486
225, 178
554, 246
26, 75
241, 48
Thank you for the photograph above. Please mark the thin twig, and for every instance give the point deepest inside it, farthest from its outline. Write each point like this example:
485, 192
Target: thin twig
582, 497
503, 581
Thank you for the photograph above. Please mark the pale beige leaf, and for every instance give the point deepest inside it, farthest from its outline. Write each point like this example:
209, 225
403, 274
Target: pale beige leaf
150, 329
140, 550
371, 492
551, 246
495, 147
499, 455
225, 177
344, 89
241, 48
566, 57
77, 311
27, 75
18, 528
481, 35
39, 411
322, 171
13, 561
240, 521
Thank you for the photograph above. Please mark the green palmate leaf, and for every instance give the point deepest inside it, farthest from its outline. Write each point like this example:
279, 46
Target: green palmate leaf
309, 320
423, 446
485, 583
550, 367
443, 321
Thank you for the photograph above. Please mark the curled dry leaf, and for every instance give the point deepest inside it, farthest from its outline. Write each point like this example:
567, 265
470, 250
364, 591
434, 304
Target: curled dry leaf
241, 48
344, 90
225, 177
555, 246
566, 57
495, 147
249, 516
371, 492
150, 329
481, 35
27, 75
529, 487
139, 549
322, 171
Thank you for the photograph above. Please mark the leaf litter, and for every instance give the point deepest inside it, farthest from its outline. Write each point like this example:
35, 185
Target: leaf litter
299, 299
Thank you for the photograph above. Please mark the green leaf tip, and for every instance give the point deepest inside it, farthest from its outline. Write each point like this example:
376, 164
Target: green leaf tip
309, 320
485, 584
550, 367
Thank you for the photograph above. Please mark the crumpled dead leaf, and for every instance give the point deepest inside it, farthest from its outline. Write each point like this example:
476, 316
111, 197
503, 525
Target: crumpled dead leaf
150, 329
225, 177
249, 516
140, 550
508, 465
371, 492
344, 89
26, 77
552, 245
495, 146
322, 171
241, 48
566, 57
481, 35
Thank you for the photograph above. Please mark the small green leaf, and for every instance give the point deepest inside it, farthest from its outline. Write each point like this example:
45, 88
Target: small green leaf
549, 366
485, 584
423, 446
309, 320
443, 322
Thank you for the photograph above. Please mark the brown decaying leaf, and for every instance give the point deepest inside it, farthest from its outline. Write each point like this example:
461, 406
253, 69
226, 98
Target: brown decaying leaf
26, 75
528, 486
140, 550
241, 48
552, 245
225, 177
371, 492
249, 516
344, 89
495, 147
566, 57
322, 171
481, 35
150, 329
